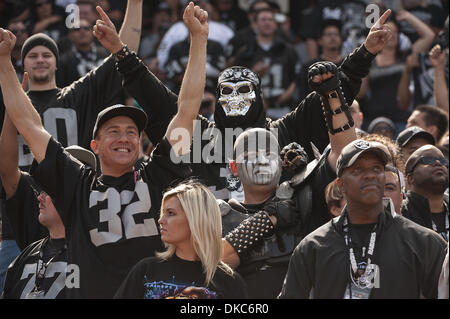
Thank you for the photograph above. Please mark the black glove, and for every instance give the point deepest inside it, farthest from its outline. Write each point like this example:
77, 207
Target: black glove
321, 68
294, 157
284, 210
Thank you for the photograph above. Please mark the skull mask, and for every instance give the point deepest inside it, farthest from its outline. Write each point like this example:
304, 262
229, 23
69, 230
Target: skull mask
237, 90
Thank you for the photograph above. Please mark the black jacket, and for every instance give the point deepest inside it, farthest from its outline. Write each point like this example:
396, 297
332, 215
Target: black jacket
408, 255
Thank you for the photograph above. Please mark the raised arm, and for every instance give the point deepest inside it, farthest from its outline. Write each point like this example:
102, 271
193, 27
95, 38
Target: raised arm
18, 105
437, 58
426, 35
130, 32
9, 161
180, 130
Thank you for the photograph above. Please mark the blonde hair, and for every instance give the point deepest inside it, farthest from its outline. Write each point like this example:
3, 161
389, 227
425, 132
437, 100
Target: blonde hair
205, 223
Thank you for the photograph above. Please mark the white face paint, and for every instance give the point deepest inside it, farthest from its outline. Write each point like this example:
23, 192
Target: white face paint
236, 98
259, 168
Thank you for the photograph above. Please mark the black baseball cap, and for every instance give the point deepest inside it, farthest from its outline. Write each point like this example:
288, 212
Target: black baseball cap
136, 114
355, 149
413, 132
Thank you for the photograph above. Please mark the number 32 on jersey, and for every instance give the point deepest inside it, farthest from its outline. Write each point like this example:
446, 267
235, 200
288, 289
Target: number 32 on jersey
110, 214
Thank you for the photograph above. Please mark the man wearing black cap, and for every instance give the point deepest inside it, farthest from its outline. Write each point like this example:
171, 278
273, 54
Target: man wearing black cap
412, 138
427, 176
110, 220
240, 106
368, 251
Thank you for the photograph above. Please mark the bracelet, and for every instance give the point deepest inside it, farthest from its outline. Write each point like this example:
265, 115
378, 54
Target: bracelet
122, 53
250, 232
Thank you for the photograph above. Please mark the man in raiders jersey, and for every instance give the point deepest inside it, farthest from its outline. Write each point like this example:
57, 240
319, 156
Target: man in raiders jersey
110, 220
69, 113
40, 270
240, 107
258, 164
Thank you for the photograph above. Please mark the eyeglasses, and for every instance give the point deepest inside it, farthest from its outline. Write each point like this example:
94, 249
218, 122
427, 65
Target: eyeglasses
430, 160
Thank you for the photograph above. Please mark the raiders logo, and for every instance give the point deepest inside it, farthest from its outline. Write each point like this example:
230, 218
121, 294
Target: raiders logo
362, 145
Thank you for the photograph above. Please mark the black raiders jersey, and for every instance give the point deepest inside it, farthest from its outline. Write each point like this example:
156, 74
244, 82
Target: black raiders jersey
111, 222
40, 272
69, 114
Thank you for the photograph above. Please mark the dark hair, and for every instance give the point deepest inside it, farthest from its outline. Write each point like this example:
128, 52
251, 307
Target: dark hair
88, 2
434, 116
330, 23
252, 9
258, 12
395, 154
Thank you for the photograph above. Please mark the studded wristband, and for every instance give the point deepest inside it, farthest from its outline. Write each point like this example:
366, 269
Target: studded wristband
250, 232
122, 53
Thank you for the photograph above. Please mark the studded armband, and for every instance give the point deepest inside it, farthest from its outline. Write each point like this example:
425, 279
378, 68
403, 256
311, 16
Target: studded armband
329, 113
250, 232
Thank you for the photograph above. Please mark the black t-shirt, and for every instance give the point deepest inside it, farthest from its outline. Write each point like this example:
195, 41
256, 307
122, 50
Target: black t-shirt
439, 221
22, 211
69, 114
179, 56
175, 278
74, 64
22, 273
282, 59
382, 98
111, 223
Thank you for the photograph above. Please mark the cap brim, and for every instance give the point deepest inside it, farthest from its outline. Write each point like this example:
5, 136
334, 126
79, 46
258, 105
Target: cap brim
424, 135
377, 151
138, 116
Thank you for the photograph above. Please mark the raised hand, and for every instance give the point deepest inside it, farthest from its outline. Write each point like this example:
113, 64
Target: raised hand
378, 35
105, 32
437, 56
320, 72
7, 42
196, 20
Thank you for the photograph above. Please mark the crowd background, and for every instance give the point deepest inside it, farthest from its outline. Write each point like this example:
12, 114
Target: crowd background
407, 85
279, 47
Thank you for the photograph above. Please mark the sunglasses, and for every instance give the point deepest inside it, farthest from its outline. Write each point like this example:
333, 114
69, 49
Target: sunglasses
430, 160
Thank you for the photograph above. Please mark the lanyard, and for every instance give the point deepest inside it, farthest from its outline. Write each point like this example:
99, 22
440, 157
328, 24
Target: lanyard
41, 267
360, 276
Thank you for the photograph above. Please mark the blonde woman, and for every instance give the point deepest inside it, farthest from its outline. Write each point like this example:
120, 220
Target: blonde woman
191, 266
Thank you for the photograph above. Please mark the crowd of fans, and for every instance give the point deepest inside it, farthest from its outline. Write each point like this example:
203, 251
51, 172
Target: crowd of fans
402, 103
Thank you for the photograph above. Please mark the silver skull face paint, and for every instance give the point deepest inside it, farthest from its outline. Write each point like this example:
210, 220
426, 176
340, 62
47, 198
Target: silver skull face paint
259, 168
236, 98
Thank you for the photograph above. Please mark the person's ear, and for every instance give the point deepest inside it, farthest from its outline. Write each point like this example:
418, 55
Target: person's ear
94, 146
340, 184
233, 167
